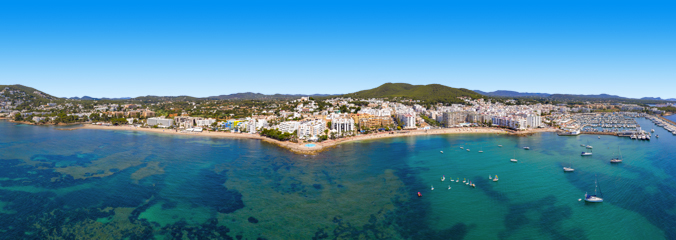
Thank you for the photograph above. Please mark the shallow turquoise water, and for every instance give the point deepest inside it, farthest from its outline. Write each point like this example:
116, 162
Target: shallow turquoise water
137, 185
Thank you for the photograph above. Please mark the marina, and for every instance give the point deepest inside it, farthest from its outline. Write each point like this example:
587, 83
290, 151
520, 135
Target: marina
667, 124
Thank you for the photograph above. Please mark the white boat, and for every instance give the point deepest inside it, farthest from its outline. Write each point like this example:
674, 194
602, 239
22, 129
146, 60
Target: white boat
464, 180
617, 159
467, 183
495, 179
594, 198
432, 187
489, 177
583, 145
589, 147
569, 169
499, 145
449, 187
652, 130
481, 150
442, 152
457, 180
526, 148
512, 160
468, 150
586, 154
462, 147
443, 178
599, 137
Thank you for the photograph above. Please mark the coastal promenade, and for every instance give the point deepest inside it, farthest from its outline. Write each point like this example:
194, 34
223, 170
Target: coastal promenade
302, 148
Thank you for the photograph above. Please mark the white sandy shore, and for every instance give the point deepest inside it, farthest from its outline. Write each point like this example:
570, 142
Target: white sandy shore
302, 149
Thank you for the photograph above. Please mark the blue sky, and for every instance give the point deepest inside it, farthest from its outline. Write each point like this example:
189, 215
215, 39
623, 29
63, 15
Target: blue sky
206, 48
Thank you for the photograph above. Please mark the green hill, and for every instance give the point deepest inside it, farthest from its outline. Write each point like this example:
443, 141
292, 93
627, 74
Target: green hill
432, 93
31, 92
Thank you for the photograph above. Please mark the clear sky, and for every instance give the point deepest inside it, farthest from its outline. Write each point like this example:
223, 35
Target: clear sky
204, 48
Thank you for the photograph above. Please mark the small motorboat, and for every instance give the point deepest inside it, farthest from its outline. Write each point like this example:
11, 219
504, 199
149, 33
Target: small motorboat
586, 154
526, 148
599, 137
419, 195
513, 160
582, 145
467, 150
499, 145
589, 147
462, 147
567, 169
442, 152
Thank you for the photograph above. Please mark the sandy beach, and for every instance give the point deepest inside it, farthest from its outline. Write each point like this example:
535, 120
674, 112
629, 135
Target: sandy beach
301, 148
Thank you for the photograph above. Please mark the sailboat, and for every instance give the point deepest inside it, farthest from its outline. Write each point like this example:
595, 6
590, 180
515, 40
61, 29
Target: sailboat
586, 153
489, 177
589, 146
457, 180
594, 198
482, 150
513, 159
464, 180
599, 137
443, 178
449, 187
617, 160
495, 179
569, 169
432, 187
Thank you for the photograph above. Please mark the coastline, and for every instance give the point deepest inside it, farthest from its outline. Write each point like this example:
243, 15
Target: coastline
300, 148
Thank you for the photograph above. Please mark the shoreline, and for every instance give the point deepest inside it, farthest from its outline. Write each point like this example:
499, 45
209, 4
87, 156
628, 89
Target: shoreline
300, 148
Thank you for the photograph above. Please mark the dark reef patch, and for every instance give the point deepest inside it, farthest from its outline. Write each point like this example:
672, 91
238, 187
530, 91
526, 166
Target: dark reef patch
253, 220
208, 230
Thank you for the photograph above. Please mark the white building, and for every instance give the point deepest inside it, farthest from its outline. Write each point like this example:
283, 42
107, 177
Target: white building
160, 121
205, 122
342, 125
533, 121
289, 126
408, 119
311, 128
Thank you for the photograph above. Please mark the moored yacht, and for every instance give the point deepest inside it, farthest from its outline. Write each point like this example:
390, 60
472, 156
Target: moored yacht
594, 198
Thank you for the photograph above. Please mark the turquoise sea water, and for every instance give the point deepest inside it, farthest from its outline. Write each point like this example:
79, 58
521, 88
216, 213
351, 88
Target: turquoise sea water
135, 185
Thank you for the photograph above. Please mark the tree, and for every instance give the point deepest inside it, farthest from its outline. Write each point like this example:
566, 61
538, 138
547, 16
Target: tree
328, 124
18, 117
